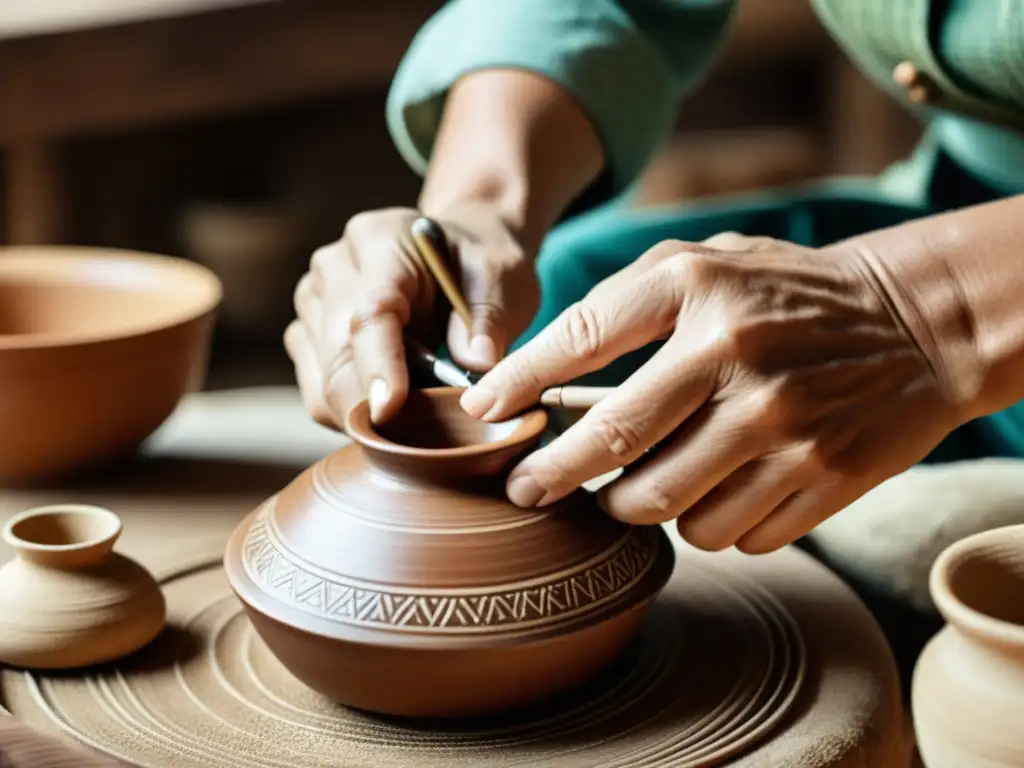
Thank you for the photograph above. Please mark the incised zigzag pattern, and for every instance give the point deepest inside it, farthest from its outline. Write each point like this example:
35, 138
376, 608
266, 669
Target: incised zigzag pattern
562, 598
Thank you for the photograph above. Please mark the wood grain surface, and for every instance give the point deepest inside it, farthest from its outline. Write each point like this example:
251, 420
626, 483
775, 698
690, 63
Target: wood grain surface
200, 65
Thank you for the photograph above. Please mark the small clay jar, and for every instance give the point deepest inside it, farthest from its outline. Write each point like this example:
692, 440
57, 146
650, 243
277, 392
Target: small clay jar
396, 577
67, 599
968, 687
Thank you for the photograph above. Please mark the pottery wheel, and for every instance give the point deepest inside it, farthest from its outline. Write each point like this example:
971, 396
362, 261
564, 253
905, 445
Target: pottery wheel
753, 662
717, 665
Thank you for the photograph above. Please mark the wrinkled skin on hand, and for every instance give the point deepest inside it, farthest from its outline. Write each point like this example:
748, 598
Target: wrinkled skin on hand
788, 386
363, 292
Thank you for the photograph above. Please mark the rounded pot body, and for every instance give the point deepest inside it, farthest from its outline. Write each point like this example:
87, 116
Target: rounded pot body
968, 687
97, 348
67, 600
400, 580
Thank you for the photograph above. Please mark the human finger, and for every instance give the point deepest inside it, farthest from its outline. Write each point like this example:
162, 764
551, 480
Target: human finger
801, 513
617, 431
717, 440
339, 386
584, 338
376, 326
743, 499
364, 314
300, 344
483, 344
300, 348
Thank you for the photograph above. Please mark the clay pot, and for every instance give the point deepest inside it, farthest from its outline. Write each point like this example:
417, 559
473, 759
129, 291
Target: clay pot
97, 347
968, 686
394, 576
67, 599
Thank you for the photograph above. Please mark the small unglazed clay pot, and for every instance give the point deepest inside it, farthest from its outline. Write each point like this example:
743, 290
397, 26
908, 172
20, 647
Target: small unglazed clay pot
968, 689
395, 576
67, 599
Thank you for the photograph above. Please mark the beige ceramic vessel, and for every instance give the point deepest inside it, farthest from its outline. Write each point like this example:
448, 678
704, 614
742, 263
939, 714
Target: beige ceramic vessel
96, 349
968, 688
67, 599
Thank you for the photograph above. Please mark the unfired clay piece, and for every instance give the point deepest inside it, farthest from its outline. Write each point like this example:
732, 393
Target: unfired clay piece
395, 576
968, 688
67, 599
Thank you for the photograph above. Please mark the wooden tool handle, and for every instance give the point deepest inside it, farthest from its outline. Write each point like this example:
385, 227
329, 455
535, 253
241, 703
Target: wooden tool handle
432, 248
25, 747
572, 397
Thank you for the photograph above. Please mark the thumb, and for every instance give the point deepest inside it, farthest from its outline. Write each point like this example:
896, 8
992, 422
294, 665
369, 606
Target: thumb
480, 346
483, 344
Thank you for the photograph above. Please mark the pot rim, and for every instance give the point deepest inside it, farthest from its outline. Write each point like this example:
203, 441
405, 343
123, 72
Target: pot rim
960, 614
56, 264
19, 544
359, 428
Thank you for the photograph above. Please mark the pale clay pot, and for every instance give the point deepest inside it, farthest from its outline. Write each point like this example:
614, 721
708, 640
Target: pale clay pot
67, 599
968, 687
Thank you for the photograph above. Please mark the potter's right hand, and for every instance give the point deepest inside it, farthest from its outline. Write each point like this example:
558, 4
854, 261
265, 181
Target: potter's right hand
362, 292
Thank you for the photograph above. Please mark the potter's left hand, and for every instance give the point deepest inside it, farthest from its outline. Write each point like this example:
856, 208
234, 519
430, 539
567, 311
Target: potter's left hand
791, 382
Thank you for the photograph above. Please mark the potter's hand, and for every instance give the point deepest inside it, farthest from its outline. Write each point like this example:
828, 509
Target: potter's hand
791, 382
364, 291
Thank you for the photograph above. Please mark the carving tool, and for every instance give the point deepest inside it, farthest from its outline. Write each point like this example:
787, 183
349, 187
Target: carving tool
574, 397
442, 370
432, 247
565, 397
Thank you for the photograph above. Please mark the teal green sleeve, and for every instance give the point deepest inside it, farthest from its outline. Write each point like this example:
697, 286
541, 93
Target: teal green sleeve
628, 62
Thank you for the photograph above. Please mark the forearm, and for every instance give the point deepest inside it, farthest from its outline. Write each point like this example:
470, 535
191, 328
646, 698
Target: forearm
518, 141
958, 280
626, 63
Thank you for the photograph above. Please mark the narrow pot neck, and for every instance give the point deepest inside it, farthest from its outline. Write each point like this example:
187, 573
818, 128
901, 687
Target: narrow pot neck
63, 537
481, 469
976, 585
434, 441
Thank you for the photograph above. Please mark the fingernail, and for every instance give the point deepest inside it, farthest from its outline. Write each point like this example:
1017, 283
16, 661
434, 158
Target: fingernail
378, 397
524, 492
477, 401
484, 349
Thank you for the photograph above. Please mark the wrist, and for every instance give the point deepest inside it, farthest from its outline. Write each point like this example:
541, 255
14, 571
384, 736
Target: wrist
925, 297
504, 195
517, 143
959, 273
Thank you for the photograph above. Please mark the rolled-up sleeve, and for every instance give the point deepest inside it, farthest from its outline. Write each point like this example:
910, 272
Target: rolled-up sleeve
627, 62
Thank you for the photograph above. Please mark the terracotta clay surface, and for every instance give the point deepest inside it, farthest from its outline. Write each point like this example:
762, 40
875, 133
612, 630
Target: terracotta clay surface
96, 349
67, 599
396, 577
239, 707
968, 687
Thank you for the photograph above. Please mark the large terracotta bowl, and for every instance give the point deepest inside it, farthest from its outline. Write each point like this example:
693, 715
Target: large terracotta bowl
395, 576
96, 349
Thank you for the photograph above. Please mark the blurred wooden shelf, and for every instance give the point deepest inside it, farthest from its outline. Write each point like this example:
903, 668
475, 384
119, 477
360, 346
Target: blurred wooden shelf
25, 18
115, 76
